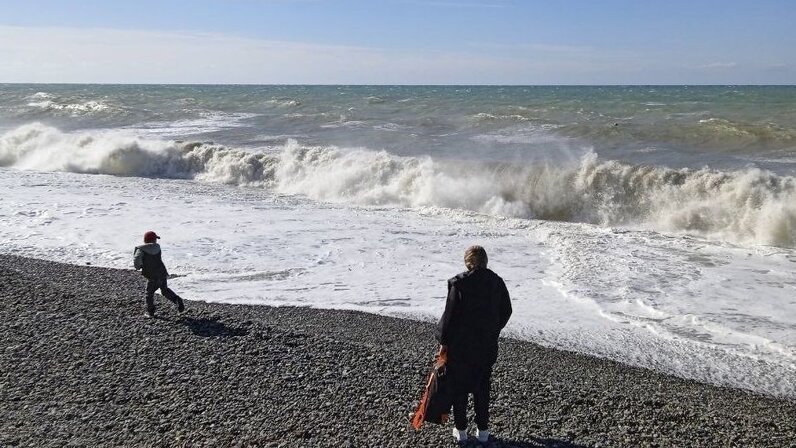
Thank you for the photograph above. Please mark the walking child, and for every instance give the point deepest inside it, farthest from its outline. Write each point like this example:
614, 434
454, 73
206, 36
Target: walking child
147, 258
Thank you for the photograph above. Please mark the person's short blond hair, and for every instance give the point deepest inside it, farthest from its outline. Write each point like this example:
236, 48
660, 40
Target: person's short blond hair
475, 257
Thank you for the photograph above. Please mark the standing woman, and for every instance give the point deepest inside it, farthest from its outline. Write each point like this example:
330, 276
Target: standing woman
477, 308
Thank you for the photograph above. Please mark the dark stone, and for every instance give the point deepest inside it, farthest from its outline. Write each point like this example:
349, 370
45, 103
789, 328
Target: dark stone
235, 375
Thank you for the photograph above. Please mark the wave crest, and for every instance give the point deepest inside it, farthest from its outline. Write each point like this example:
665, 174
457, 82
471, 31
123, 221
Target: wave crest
50, 103
742, 206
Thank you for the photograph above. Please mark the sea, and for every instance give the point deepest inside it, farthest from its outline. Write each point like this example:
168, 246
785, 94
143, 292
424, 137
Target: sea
651, 225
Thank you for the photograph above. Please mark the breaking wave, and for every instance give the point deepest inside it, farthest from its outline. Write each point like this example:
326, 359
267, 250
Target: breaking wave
749, 206
47, 102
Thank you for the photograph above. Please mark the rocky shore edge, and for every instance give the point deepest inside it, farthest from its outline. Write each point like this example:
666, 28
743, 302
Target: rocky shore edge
81, 366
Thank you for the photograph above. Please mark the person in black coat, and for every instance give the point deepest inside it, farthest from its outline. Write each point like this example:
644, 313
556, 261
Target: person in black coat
477, 309
147, 259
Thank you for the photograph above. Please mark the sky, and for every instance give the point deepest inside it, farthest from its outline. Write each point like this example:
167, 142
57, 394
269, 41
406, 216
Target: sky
526, 42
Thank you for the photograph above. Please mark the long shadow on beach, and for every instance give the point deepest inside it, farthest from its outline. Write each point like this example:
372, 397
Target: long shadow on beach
546, 443
534, 443
211, 327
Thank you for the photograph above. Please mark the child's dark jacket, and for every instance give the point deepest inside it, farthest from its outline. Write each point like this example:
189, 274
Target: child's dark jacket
147, 258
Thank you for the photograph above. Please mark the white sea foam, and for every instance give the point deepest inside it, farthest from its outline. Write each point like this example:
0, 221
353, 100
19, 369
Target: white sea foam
487, 117
535, 135
391, 127
49, 102
679, 305
344, 122
750, 206
84, 107
209, 121
284, 102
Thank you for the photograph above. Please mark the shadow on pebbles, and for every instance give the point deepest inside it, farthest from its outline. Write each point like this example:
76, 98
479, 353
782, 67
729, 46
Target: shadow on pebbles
81, 365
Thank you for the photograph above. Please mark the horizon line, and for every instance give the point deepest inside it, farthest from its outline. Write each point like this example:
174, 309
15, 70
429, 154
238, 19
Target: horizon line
385, 85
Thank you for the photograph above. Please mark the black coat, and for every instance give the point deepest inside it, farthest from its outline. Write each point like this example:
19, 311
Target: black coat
148, 259
478, 307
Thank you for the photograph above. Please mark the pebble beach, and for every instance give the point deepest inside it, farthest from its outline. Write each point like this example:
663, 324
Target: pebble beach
81, 366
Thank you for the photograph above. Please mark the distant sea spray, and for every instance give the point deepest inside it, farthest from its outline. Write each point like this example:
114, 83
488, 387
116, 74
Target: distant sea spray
48, 102
745, 206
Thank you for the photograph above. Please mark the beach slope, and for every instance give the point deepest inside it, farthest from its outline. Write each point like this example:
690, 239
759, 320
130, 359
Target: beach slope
80, 365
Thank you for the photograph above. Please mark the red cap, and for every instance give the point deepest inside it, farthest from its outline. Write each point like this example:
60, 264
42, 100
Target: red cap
150, 237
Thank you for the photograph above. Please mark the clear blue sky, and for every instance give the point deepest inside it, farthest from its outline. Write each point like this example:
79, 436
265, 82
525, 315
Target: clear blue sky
400, 41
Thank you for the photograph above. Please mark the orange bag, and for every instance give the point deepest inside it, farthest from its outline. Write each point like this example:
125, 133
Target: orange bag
435, 404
